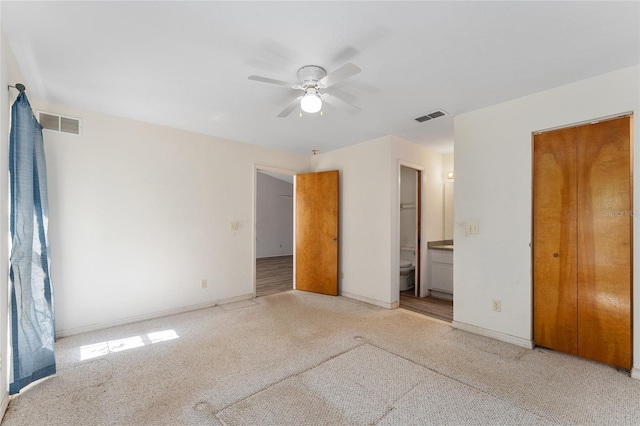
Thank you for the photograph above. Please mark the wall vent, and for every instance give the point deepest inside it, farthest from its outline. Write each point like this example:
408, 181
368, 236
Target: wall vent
59, 123
431, 116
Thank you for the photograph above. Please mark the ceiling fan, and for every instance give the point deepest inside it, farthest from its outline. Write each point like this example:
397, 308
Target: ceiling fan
313, 79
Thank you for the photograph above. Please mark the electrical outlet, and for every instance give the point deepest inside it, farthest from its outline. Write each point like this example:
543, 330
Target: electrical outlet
496, 305
473, 228
203, 283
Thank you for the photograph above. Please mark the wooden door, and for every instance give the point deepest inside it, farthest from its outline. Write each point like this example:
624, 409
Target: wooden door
582, 219
317, 232
417, 272
604, 242
554, 241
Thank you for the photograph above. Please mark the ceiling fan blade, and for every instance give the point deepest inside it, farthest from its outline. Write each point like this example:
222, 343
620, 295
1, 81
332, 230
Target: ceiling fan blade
271, 81
342, 73
293, 105
340, 104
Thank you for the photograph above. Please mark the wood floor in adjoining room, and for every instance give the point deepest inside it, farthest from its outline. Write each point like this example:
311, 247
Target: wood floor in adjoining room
274, 275
429, 306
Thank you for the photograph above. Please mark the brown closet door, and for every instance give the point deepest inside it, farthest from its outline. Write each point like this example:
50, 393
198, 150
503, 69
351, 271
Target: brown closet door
554, 241
582, 236
604, 241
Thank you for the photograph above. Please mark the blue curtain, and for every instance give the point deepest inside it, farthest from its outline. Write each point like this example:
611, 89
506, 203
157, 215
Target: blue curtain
32, 307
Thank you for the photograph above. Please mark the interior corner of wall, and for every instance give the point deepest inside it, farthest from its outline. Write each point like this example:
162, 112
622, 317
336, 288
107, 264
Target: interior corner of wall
4, 403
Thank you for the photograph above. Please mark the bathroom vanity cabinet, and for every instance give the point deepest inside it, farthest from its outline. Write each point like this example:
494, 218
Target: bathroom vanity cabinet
441, 272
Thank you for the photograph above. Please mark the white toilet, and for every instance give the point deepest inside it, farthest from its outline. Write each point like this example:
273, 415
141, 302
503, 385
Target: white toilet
407, 268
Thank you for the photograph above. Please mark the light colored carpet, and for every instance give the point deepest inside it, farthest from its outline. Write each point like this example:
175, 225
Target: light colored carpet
298, 358
368, 386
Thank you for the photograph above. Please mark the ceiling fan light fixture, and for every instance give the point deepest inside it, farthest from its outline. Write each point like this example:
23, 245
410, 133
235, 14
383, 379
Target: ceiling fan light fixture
312, 79
311, 102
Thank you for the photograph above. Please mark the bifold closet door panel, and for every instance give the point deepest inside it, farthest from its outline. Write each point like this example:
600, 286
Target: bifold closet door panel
554, 240
605, 213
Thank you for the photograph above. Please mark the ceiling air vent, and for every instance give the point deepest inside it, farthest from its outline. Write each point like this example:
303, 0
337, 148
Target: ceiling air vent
431, 116
59, 123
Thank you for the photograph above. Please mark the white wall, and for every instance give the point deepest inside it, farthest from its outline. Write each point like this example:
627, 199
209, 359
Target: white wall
141, 213
4, 222
274, 217
449, 185
493, 187
430, 162
369, 212
9, 75
364, 228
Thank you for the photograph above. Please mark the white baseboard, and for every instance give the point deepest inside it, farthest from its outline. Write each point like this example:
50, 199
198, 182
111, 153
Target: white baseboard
635, 373
518, 341
273, 255
152, 315
385, 305
441, 295
4, 404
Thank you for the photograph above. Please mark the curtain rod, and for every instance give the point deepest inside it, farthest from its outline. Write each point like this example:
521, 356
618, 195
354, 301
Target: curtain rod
19, 86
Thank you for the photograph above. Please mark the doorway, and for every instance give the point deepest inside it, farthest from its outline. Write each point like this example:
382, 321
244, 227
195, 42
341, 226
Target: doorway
410, 221
413, 292
582, 240
274, 222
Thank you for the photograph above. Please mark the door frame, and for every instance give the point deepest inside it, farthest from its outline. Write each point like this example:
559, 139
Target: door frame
395, 244
254, 229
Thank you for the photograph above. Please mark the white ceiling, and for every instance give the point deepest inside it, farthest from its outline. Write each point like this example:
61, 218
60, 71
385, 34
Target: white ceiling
185, 64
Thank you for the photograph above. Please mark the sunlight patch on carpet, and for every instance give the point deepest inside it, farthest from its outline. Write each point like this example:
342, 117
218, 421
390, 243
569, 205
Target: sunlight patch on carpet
103, 348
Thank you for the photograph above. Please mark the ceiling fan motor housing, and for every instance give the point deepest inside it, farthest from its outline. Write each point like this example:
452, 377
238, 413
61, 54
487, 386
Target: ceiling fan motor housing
309, 75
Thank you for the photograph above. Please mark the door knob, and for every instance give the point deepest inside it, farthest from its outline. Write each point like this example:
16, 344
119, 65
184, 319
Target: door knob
334, 239
555, 255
